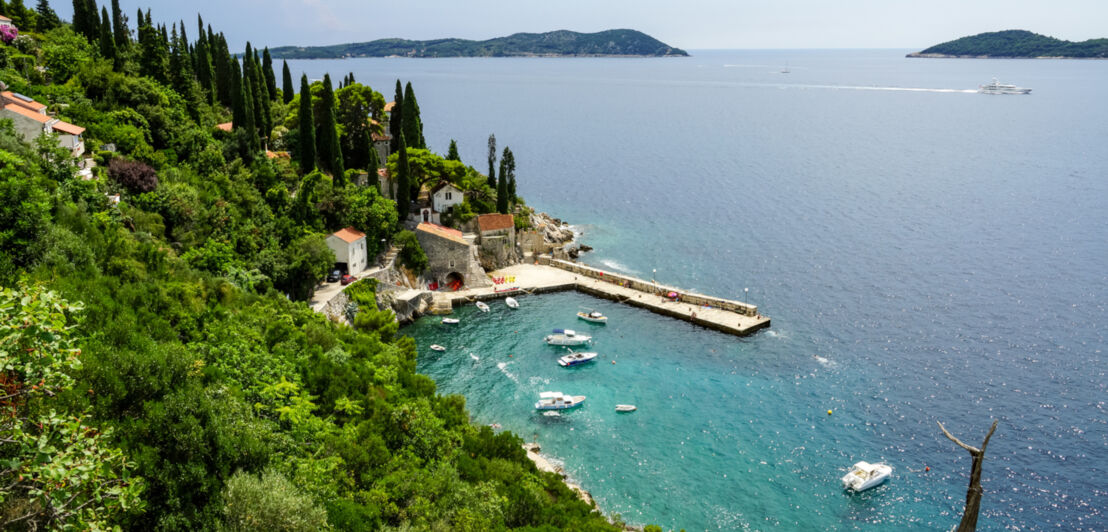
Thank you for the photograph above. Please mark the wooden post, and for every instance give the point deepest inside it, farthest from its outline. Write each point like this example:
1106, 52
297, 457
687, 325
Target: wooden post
973, 493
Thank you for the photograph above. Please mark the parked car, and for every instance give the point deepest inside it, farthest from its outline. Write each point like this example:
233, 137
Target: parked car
334, 276
347, 279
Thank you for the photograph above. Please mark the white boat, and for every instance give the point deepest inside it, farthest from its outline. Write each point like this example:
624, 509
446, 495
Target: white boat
558, 401
594, 317
483, 306
999, 88
573, 359
451, 321
865, 475
511, 302
437, 347
566, 337
626, 408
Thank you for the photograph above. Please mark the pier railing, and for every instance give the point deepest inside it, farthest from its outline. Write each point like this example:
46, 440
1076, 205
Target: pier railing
650, 287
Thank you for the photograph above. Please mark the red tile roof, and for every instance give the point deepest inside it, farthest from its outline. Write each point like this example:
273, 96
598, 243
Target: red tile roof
10, 97
349, 235
226, 126
495, 222
444, 232
64, 127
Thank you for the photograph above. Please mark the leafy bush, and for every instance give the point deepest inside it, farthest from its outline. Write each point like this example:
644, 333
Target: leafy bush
135, 176
269, 503
412, 256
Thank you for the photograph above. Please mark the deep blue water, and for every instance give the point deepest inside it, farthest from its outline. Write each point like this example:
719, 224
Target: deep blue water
941, 252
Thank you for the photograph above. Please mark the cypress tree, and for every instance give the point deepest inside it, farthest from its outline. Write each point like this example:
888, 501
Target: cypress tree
286, 82
396, 120
501, 194
403, 199
373, 162
79, 17
221, 66
330, 152
452, 153
413, 126
21, 16
307, 127
180, 64
107, 42
119, 28
508, 172
270, 78
203, 63
238, 105
491, 181
47, 19
92, 22
250, 128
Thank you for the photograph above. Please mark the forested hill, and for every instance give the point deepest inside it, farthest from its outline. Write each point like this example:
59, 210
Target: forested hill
550, 44
1016, 43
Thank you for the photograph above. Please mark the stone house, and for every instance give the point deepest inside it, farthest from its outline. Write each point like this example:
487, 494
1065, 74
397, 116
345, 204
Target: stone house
349, 246
31, 121
451, 259
496, 237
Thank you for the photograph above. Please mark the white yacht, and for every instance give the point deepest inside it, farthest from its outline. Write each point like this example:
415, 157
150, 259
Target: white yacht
558, 401
999, 88
593, 316
573, 359
566, 337
865, 475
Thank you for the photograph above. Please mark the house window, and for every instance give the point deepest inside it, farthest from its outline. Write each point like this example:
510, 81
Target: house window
447, 196
451, 264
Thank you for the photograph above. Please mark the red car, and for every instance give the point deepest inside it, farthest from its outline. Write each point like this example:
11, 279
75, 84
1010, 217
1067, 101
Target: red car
347, 279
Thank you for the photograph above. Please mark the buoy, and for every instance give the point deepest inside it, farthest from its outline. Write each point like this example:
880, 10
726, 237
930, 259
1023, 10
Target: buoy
510, 356
928, 468
829, 412
613, 362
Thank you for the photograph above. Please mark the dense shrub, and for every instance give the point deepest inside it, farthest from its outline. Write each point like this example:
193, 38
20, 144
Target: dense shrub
135, 176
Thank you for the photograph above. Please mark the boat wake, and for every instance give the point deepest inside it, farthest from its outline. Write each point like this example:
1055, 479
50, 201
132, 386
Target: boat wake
535, 381
502, 366
876, 88
827, 363
618, 266
474, 357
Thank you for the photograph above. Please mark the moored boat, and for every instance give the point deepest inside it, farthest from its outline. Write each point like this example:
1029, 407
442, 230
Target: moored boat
999, 88
593, 317
558, 401
511, 302
566, 337
626, 408
574, 359
864, 475
437, 347
483, 306
451, 321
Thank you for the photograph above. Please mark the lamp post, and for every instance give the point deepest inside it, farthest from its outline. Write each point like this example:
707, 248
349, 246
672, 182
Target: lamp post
746, 295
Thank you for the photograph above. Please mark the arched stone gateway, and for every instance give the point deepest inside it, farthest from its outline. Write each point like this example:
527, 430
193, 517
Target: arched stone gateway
455, 281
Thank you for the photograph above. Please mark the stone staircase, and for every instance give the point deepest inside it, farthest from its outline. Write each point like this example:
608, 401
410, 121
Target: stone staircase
441, 303
390, 257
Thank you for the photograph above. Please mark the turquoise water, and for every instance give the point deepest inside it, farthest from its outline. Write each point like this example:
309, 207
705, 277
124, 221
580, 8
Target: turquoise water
941, 252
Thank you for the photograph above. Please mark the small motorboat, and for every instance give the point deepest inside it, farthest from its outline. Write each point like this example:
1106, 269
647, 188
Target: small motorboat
437, 347
483, 306
566, 337
558, 401
511, 302
574, 359
864, 475
593, 317
626, 408
451, 321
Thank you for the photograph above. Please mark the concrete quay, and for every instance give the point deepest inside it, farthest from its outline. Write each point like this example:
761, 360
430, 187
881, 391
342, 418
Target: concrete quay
549, 275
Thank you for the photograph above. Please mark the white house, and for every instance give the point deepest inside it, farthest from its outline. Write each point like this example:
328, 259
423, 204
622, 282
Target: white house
5, 21
444, 196
31, 120
349, 246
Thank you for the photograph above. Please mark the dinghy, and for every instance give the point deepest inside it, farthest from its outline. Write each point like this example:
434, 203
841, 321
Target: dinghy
483, 306
437, 347
451, 321
626, 408
593, 317
511, 302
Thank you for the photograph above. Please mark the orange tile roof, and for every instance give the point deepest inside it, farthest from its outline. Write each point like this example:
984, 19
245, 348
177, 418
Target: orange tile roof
383, 172
495, 222
440, 231
2, 17
389, 107
10, 97
66, 127
23, 111
349, 234
377, 137
226, 126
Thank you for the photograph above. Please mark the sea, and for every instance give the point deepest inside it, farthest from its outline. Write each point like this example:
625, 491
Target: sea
926, 253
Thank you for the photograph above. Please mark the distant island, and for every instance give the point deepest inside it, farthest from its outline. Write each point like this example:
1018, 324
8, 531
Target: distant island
562, 43
1017, 44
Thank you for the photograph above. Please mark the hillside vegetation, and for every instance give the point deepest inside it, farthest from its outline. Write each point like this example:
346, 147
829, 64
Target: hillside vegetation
1015, 44
554, 43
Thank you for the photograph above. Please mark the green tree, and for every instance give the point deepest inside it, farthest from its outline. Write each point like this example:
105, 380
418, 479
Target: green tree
508, 173
80, 18
403, 186
502, 194
396, 119
452, 152
412, 256
412, 124
203, 63
286, 82
357, 105
46, 19
58, 471
307, 127
120, 32
330, 152
107, 41
267, 70
492, 162
270, 502
24, 213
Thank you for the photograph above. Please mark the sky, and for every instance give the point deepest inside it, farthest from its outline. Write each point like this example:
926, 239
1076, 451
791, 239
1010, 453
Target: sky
688, 24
